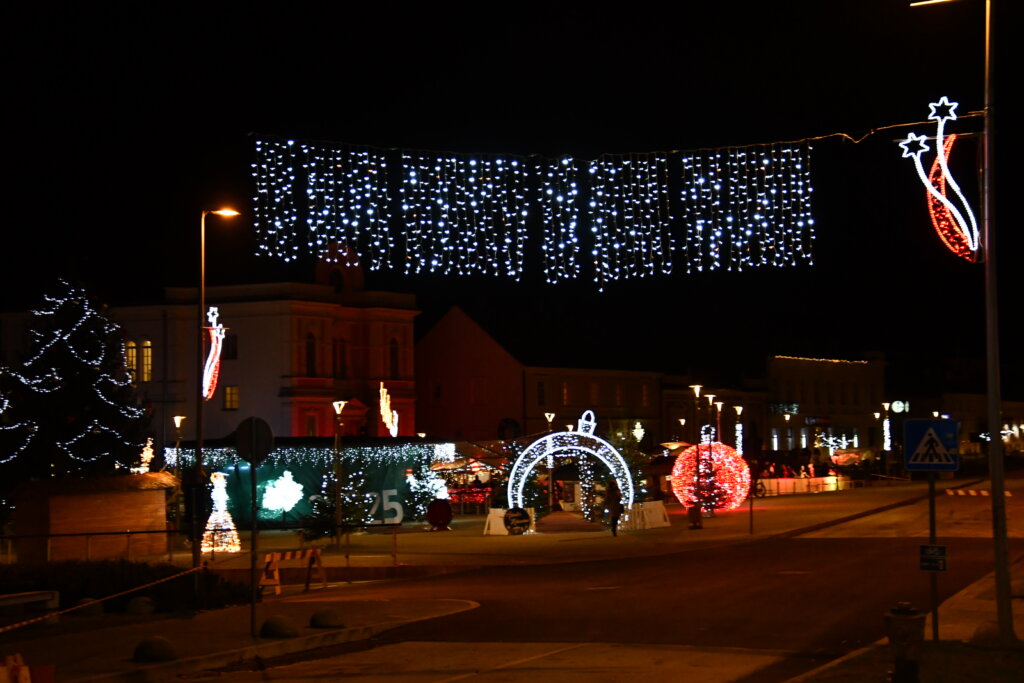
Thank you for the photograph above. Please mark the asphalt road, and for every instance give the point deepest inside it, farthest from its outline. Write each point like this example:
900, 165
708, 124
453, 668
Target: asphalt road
769, 609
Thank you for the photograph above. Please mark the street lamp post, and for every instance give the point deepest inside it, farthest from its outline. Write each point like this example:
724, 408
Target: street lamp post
695, 519
200, 367
339, 406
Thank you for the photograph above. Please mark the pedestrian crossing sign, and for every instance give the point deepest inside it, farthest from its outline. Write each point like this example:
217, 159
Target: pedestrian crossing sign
931, 445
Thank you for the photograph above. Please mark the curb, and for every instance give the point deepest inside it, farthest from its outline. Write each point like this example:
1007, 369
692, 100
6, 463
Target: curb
272, 648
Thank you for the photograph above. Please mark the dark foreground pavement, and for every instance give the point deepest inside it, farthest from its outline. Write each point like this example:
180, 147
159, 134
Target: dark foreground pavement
101, 648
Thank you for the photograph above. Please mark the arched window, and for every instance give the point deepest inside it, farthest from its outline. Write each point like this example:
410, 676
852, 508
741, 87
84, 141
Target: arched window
131, 359
310, 355
393, 361
147, 361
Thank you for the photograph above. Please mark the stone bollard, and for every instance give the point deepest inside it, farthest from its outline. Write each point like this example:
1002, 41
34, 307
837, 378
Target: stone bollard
905, 628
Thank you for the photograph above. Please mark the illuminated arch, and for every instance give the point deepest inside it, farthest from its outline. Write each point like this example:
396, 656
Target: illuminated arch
570, 443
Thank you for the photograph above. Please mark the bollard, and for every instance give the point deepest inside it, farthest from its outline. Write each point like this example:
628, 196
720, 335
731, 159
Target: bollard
905, 628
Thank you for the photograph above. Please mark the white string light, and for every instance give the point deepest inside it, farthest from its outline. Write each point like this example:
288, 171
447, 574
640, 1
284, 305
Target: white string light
629, 217
464, 214
747, 207
559, 192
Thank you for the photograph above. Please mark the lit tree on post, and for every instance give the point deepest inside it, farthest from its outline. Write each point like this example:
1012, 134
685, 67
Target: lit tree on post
74, 390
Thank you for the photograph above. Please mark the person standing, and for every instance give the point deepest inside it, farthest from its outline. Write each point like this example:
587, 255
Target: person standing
613, 503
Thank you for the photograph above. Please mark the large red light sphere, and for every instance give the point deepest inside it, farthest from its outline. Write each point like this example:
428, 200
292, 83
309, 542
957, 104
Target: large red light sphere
731, 475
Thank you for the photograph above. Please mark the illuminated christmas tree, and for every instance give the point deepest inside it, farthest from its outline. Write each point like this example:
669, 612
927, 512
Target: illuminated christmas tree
220, 535
74, 391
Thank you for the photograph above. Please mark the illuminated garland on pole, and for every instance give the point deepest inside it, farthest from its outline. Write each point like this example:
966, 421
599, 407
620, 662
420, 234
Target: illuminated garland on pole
958, 233
211, 370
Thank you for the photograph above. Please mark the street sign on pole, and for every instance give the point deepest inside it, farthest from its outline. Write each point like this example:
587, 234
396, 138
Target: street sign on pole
933, 558
931, 445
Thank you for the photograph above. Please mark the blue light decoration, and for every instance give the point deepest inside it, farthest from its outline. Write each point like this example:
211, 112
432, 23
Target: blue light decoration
629, 217
746, 207
461, 214
464, 214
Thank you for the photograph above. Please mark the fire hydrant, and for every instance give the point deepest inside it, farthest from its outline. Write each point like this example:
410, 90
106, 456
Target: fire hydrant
905, 627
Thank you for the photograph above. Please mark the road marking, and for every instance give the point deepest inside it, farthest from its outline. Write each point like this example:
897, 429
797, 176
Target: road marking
523, 660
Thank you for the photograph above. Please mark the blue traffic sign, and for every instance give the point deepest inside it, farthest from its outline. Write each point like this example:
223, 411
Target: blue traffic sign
931, 445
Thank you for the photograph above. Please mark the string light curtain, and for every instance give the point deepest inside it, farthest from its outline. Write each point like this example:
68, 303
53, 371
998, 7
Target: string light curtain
458, 214
345, 193
560, 211
629, 217
464, 214
747, 207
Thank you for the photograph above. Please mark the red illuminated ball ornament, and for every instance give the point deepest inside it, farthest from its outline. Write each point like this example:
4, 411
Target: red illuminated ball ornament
724, 475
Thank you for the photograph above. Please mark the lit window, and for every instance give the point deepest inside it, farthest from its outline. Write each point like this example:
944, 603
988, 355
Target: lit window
565, 393
131, 359
230, 398
147, 361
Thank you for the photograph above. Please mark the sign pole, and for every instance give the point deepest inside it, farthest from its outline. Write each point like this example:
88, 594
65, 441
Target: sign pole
934, 577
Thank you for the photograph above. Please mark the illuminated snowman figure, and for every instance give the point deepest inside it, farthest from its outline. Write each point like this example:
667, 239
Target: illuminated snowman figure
220, 534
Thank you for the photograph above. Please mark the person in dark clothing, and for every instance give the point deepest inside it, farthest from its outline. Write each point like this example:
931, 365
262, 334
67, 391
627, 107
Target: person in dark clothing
613, 503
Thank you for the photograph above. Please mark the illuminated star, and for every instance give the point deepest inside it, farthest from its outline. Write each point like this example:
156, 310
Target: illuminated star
914, 139
943, 110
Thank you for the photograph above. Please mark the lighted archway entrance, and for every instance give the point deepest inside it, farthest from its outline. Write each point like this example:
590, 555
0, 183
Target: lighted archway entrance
570, 444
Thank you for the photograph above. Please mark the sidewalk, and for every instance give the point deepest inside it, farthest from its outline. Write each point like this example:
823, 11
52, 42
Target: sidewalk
101, 648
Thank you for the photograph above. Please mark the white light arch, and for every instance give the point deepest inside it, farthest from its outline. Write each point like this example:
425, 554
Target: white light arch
582, 440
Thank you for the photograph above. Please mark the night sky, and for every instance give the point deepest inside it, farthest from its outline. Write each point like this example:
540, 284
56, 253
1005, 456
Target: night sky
126, 123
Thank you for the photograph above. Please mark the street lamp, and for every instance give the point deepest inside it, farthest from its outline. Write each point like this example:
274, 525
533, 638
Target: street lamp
682, 427
739, 430
339, 406
994, 399
200, 367
550, 417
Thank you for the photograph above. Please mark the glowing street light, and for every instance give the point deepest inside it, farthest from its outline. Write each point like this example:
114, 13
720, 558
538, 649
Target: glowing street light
200, 368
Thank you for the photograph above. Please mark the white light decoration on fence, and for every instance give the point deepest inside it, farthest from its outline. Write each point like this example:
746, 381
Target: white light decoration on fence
282, 493
747, 207
464, 214
211, 371
629, 217
739, 438
948, 220
886, 435
559, 192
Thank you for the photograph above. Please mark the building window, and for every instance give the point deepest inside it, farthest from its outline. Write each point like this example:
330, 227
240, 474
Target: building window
310, 355
311, 424
394, 359
131, 360
540, 394
229, 347
147, 361
618, 395
775, 438
340, 359
565, 393
595, 393
645, 396
230, 398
